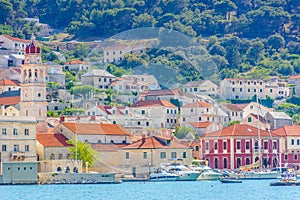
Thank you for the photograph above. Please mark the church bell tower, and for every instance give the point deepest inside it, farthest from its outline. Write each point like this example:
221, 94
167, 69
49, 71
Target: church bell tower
33, 85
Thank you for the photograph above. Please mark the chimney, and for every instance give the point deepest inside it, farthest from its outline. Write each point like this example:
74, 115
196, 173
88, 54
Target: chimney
62, 119
143, 138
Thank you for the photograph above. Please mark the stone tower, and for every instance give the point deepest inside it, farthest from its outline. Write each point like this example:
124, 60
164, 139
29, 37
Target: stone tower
33, 86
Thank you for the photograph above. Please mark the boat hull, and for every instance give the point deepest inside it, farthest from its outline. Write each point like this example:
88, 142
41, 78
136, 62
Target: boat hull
190, 176
230, 180
163, 178
255, 175
209, 177
288, 183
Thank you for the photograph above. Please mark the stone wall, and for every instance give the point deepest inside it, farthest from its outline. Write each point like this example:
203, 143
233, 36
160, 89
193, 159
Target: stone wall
67, 178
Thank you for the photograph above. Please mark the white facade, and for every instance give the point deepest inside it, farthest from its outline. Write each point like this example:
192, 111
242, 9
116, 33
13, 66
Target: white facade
12, 43
203, 87
97, 78
247, 88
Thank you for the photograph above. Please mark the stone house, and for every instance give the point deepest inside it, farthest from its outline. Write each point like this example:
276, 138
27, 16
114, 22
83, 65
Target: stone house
7, 85
76, 65
203, 87
97, 78
278, 119
12, 43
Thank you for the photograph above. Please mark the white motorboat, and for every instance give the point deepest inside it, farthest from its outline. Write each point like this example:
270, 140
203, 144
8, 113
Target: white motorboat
184, 173
160, 174
255, 174
206, 173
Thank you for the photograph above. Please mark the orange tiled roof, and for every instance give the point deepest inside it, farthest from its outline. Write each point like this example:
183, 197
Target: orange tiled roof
16, 39
147, 103
154, 142
288, 130
10, 100
104, 147
295, 77
235, 107
8, 82
200, 124
75, 62
96, 129
238, 130
52, 140
197, 104
158, 92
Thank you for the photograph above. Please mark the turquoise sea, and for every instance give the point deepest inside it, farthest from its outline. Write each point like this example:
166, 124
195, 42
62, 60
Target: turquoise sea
249, 189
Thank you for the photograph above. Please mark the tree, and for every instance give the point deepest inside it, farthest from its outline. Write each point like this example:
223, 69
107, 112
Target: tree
6, 8
275, 42
84, 151
182, 131
143, 20
81, 51
234, 122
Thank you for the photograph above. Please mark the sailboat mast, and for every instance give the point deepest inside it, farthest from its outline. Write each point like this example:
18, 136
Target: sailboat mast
258, 133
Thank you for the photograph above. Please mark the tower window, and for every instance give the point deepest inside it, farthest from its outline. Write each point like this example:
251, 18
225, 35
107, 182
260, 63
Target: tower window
39, 94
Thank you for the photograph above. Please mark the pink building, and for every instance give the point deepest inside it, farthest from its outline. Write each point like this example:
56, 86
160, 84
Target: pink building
238, 145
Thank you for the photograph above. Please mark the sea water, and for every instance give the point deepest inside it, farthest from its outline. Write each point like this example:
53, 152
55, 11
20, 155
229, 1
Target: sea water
249, 189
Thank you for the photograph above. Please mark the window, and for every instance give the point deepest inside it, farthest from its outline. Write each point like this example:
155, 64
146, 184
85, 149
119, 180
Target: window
260, 90
254, 90
249, 119
143, 112
295, 157
216, 163
104, 79
271, 90
216, 145
16, 148
199, 118
145, 155
163, 155
173, 155
224, 145
26, 148
167, 111
292, 141
241, 89
274, 145
247, 161
206, 146
285, 157
183, 119
247, 145
265, 145
298, 142
26, 131
197, 148
127, 155
3, 131
15, 131
147, 123
248, 90
225, 162
3, 147
192, 110
238, 145
184, 155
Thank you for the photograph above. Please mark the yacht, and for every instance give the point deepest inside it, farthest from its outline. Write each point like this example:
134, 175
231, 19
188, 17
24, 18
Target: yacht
255, 174
160, 174
206, 173
183, 173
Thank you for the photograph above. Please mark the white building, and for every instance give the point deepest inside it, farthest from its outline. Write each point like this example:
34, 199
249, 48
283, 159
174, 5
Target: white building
203, 87
233, 88
11, 43
97, 78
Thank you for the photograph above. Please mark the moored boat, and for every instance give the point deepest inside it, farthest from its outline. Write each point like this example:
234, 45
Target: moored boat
289, 178
230, 180
160, 174
184, 173
206, 173
255, 175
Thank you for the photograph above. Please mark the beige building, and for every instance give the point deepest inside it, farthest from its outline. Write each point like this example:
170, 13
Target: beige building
76, 65
11, 43
233, 88
117, 52
97, 78
9, 85
94, 132
162, 113
18, 139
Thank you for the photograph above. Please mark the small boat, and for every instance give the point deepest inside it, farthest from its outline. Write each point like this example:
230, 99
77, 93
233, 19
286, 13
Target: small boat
255, 174
160, 174
289, 178
206, 173
230, 180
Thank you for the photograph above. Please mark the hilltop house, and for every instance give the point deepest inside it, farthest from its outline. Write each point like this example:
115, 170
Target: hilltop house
97, 78
11, 43
278, 119
203, 87
76, 65
11, 60
233, 88
9, 103
55, 74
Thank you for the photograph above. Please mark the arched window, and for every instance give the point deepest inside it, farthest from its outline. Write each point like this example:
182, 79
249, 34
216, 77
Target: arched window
60, 156
52, 156
216, 163
256, 145
59, 169
99, 141
112, 142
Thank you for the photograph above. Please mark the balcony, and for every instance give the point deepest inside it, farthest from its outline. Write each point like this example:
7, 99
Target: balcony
17, 156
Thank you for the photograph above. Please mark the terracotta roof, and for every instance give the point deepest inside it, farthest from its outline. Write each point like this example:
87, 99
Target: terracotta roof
107, 108
16, 39
9, 100
234, 107
194, 83
155, 142
147, 103
75, 62
197, 104
200, 124
238, 130
8, 82
288, 130
52, 140
295, 77
96, 129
